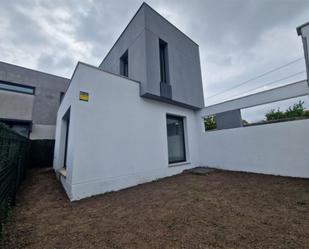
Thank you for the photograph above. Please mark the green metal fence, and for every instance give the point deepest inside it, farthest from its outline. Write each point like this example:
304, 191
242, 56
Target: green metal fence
14, 150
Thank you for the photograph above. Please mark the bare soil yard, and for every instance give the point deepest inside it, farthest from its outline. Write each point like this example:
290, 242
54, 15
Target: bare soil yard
218, 210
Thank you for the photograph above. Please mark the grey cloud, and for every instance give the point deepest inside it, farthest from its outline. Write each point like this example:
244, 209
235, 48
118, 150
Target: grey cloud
236, 37
48, 61
239, 22
104, 22
22, 28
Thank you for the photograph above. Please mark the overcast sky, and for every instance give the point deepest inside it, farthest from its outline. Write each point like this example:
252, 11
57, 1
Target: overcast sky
238, 39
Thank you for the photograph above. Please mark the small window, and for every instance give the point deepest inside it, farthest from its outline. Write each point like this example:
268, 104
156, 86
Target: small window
16, 87
66, 120
61, 96
175, 139
163, 61
124, 64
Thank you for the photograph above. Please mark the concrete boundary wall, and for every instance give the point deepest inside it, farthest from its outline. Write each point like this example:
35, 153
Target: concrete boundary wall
278, 148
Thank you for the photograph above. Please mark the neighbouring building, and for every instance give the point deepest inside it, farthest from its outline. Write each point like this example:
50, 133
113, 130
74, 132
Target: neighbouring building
29, 100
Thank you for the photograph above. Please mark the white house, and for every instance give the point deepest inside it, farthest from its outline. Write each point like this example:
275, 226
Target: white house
138, 116
132, 119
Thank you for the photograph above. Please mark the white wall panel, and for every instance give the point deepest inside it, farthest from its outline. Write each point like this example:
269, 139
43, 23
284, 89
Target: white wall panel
278, 149
120, 139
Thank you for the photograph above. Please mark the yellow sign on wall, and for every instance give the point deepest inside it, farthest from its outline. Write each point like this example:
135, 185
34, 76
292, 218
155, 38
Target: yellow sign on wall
83, 96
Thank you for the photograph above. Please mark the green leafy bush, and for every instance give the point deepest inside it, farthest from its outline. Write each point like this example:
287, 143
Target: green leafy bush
244, 122
210, 123
295, 111
274, 115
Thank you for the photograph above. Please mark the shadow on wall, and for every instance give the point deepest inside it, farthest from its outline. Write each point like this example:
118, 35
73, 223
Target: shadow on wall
41, 153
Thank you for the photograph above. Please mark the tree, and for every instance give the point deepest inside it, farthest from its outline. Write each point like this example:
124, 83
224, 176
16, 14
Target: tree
297, 110
210, 123
274, 114
244, 122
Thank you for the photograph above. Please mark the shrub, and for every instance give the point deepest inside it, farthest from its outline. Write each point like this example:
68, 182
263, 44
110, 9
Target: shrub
210, 123
295, 111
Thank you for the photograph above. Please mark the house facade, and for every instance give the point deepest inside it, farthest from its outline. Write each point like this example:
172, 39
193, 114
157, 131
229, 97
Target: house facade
132, 119
116, 139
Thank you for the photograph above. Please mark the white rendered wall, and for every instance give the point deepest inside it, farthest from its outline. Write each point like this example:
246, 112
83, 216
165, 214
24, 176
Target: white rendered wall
120, 139
278, 149
69, 101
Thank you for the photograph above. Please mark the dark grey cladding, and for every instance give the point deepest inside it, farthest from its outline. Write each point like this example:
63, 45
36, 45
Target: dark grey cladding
142, 39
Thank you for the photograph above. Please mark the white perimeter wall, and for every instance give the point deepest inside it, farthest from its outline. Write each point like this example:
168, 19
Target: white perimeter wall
279, 149
120, 139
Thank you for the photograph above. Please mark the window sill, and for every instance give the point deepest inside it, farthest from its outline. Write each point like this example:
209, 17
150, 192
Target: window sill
178, 164
62, 172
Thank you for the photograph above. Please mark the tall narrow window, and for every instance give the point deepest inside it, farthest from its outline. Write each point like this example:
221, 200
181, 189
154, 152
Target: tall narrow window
61, 96
124, 64
175, 139
66, 120
163, 61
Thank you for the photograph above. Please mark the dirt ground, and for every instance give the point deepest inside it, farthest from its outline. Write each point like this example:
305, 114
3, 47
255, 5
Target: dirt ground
218, 210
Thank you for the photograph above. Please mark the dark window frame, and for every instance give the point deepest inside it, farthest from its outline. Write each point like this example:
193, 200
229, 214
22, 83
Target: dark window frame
11, 122
124, 64
17, 85
182, 120
66, 118
61, 97
163, 56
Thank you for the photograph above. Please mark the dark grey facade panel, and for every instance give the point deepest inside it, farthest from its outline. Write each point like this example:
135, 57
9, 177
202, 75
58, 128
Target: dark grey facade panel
169, 101
141, 38
165, 90
25, 76
47, 90
228, 120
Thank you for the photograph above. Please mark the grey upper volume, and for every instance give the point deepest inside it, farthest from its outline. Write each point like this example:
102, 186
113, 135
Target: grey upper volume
141, 39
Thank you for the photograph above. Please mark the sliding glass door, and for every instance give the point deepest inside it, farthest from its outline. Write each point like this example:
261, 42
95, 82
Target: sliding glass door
175, 139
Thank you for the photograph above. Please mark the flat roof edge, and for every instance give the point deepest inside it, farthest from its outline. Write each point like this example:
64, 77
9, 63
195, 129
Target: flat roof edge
257, 93
99, 69
34, 70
